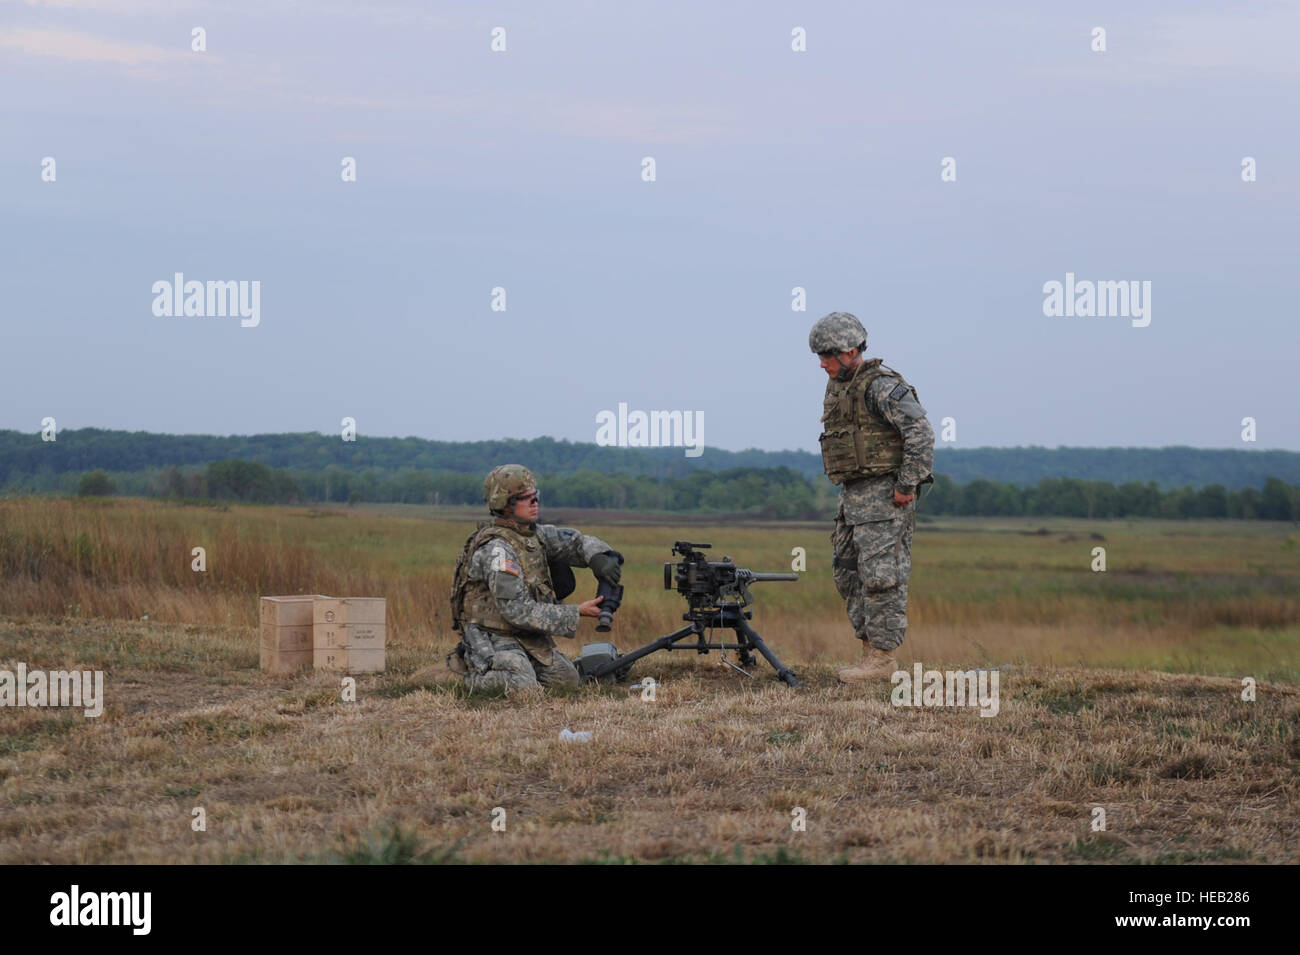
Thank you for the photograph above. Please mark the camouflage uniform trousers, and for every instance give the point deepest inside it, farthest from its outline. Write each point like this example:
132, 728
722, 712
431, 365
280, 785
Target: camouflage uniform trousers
497, 661
873, 561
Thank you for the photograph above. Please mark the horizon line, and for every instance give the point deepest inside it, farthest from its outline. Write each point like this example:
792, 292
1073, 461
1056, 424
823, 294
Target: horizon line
545, 437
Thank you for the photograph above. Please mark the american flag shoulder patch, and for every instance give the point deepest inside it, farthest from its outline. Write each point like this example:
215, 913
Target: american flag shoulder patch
508, 566
899, 391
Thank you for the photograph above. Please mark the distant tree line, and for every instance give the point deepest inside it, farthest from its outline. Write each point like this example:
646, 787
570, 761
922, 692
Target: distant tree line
1069, 497
23, 455
29, 463
762, 492
1171, 467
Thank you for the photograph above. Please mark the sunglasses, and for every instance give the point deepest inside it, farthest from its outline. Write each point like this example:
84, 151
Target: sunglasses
533, 499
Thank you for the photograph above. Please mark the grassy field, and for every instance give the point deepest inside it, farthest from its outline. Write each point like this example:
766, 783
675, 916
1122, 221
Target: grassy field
1121, 690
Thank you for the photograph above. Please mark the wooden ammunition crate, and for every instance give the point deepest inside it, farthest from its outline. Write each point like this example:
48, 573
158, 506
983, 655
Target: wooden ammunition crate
349, 660
287, 640
348, 633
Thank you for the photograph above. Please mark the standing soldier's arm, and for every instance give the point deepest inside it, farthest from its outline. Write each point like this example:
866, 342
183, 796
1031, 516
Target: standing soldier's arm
497, 564
896, 403
570, 546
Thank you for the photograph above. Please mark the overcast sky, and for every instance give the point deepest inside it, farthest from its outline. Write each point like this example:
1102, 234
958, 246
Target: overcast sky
774, 169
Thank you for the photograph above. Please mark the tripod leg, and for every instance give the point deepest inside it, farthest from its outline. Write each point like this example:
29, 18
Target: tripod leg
627, 659
785, 674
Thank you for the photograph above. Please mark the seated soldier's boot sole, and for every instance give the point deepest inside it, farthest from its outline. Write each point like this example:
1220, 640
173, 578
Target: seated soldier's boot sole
456, 665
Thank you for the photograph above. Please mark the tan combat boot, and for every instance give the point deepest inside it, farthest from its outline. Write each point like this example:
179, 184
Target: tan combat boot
875, 665
456, 664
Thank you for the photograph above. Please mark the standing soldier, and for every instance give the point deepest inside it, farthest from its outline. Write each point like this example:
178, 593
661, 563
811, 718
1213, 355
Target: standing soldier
509, 580
879, 447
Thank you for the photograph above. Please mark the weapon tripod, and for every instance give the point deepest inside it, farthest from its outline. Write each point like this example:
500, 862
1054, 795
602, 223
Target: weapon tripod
727, 616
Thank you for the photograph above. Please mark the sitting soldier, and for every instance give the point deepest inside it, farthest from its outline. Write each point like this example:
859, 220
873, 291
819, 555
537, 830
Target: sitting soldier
509, 580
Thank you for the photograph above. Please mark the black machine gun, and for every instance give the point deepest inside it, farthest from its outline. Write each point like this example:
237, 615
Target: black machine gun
717, 593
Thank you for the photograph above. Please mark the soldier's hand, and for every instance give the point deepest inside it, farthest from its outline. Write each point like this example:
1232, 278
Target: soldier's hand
590, 608
607, 567
902, 500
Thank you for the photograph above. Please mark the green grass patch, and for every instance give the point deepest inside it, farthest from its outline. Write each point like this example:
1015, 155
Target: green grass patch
1098, 848
778, 856
1065, 702
220, 728
1218, 854
390, 845
784, 738
49, 731
1111, 774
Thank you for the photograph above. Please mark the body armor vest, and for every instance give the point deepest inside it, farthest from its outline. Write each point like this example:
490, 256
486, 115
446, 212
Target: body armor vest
856, 441
472, 600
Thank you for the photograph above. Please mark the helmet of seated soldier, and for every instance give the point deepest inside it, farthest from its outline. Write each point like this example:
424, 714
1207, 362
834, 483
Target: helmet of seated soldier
506, 482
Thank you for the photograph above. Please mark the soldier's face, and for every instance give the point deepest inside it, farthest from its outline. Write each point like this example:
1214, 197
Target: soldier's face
526, 507
834, 364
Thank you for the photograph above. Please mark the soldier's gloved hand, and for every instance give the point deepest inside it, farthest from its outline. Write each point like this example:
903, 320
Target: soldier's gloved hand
607, 566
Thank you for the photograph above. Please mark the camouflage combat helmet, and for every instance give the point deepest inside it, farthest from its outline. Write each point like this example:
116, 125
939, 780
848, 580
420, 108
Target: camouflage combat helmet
836, 333
504, 482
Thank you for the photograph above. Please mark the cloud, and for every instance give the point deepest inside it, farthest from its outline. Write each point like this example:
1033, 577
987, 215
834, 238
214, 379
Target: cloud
115, 6
1258, 40
628, 122
85, 47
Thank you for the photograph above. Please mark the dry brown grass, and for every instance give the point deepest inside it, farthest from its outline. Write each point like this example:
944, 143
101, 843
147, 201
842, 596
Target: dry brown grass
1186, 771
1210, 597
710, 771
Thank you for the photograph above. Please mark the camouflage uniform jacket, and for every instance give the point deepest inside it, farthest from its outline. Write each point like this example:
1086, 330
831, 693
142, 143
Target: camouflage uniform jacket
872, 498
526, 601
